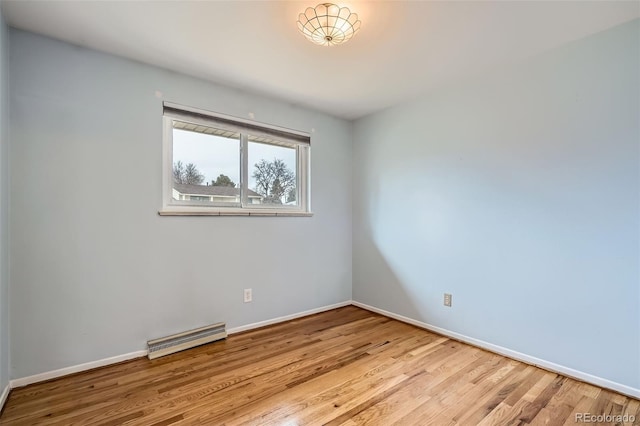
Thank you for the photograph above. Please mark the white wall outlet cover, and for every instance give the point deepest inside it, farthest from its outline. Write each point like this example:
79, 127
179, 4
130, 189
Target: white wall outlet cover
447, 299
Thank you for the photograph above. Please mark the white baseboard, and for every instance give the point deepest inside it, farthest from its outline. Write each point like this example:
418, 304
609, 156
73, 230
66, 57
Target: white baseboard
288, 317
4, 395
547, 365
24, 381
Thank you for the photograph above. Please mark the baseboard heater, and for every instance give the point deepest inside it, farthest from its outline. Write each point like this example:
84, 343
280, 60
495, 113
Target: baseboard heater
186, 340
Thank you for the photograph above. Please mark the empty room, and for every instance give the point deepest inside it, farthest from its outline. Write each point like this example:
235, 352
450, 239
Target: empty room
305, 213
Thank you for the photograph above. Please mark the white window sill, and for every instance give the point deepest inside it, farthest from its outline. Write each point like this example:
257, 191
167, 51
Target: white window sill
230, 212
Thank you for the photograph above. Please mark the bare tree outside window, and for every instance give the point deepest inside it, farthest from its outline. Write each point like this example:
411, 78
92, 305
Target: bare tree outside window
274, 181
188, 174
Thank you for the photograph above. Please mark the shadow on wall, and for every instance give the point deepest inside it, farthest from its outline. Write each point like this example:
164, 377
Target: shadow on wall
390, 292
381, 271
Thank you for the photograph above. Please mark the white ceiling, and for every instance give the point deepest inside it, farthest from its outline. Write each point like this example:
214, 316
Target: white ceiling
405, 48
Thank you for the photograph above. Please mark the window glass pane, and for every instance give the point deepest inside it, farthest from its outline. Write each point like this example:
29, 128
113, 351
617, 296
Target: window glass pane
206, 165
272, 174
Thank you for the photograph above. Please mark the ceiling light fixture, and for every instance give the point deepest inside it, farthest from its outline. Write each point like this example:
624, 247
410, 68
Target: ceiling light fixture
328, 24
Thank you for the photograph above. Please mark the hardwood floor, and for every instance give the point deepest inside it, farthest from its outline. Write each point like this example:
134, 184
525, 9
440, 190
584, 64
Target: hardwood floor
343, 367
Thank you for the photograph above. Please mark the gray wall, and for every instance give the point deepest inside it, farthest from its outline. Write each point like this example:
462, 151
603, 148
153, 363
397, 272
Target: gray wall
95, 272
4, 235
518, 193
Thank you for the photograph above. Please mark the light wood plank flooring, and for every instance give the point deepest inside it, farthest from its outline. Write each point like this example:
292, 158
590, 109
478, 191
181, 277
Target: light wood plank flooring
343, 367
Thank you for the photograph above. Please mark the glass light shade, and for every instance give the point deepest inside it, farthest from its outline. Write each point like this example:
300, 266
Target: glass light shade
328, 24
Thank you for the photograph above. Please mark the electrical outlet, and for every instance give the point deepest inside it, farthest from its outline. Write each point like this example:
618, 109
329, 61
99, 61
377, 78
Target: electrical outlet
248, 296
447, 299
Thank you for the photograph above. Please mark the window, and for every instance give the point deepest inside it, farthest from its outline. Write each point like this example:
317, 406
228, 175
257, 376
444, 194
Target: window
220, 165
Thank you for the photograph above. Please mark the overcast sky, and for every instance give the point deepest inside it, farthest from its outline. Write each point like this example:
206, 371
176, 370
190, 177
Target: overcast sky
215, 155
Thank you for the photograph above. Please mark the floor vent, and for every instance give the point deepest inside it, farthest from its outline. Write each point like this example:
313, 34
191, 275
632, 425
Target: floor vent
188, 339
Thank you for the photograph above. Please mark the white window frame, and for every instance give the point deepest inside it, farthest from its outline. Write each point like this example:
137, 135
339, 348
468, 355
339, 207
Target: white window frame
300, 140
